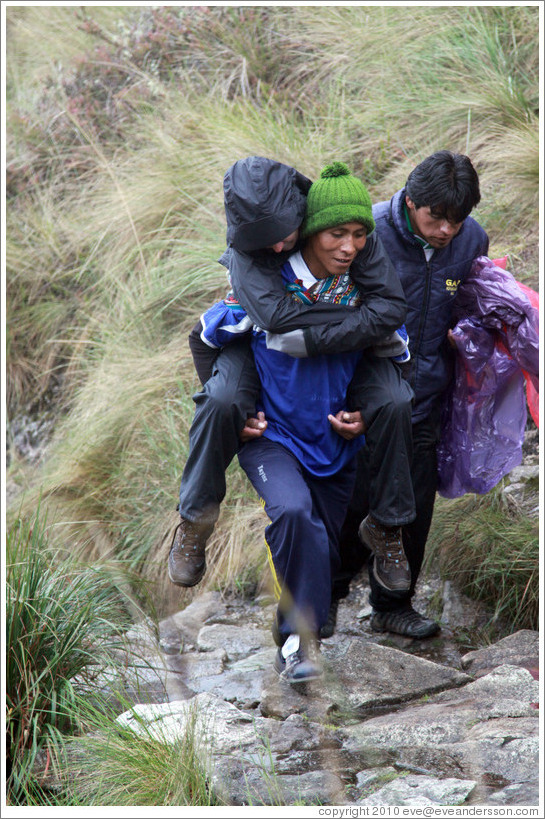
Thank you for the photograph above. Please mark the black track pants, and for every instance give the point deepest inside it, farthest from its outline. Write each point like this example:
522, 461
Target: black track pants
354, 555
221, 409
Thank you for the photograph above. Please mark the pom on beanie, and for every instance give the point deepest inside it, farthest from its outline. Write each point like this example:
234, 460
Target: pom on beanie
335, 198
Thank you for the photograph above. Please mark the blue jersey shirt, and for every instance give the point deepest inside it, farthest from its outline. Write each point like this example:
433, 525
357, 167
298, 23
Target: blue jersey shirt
297, 396
297, 393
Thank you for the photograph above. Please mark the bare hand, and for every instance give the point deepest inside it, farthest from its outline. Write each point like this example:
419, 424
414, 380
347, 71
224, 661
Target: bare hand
348, 425
254, 428
451, 339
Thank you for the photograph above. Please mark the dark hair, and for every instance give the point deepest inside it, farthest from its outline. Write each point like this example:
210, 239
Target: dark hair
447, 183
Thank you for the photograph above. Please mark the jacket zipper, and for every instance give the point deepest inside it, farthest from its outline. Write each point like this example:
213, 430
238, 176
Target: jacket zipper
422, 320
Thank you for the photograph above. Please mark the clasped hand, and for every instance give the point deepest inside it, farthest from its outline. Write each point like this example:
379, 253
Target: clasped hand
348, 425
254, 428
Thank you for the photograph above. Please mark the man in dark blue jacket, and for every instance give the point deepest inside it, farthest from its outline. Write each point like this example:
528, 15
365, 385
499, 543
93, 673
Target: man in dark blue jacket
432, 241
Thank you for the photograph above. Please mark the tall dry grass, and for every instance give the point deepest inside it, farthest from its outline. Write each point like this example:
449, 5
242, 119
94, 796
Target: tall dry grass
120, 125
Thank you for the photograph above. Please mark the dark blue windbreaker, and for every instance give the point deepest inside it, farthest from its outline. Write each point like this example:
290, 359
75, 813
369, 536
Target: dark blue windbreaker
430, 289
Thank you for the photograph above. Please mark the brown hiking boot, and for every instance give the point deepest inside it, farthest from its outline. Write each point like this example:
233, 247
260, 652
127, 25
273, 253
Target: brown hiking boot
390, 565
186, 561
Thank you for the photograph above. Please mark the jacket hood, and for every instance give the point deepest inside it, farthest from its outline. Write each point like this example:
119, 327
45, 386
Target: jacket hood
264, 202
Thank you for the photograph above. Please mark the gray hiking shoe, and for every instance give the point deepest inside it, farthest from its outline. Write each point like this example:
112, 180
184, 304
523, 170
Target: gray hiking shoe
298, 661
405, 621
186, 560
390, 565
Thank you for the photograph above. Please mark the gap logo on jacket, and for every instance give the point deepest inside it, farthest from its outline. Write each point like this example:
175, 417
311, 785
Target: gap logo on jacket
430, 280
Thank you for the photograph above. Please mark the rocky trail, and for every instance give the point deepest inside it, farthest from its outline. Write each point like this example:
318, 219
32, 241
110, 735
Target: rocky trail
394, 721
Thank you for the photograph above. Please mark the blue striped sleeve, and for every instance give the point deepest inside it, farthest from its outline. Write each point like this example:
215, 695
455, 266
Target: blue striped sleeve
223, 323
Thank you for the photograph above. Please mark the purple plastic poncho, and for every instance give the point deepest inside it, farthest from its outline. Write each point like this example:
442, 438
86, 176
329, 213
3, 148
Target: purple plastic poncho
484, 417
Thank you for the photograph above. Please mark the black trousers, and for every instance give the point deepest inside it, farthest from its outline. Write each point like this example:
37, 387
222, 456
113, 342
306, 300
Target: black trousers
425, 436
221, 409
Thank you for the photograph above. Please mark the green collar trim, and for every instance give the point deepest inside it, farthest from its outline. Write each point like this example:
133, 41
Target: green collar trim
419, 239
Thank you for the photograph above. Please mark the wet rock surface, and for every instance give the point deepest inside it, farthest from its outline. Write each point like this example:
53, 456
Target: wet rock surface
393, 721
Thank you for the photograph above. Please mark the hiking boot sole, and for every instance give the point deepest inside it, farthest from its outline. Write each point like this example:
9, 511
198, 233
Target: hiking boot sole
398, 587
185, 583
316, 675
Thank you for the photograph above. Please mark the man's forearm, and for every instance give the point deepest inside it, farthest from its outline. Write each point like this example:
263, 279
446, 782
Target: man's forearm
328, 328
357, 332
260, 291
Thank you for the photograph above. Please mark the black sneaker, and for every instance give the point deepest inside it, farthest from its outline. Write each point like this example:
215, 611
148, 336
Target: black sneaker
186, 561
404, 621
390, 565
328, 629
296, 663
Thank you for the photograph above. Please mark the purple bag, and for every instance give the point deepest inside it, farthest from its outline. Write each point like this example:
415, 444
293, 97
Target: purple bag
493, 296
484, 417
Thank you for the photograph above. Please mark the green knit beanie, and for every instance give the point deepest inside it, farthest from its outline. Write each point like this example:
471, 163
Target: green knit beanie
337, 197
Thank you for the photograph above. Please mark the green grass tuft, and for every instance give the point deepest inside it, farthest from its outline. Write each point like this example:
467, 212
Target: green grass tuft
492, 553
114, 765
62, 618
